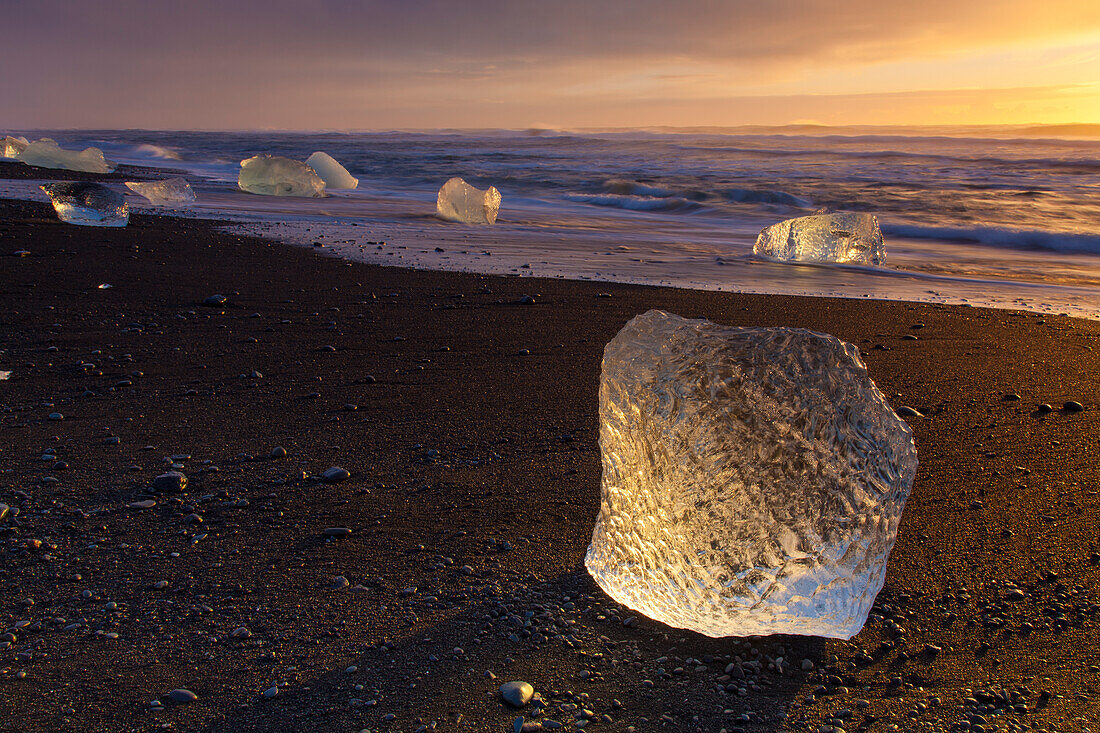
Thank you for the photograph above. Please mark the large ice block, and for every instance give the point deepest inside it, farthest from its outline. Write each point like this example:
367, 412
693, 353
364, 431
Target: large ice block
13, 146
274, 175
332, 173
753, 478
46, 153
87, 204
842, 238
459, 201
168, 192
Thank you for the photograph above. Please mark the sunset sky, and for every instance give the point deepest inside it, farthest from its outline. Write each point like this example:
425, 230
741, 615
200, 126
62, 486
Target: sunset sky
343, 64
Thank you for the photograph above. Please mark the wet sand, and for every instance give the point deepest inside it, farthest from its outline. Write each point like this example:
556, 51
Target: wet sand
468, 424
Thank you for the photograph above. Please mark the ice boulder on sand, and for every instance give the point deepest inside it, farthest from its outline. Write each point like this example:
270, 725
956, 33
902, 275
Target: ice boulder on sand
843, 238
459, 201
13, 146
753, 479
87, 204
168, 192
274, 175
46, 153
332, 173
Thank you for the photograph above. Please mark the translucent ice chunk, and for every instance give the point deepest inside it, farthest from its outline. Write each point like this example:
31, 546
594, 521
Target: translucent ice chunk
46, 153
274, 175
844, 238
459, 201
87, 204
753, 478
332, 173
13, 146
168, 192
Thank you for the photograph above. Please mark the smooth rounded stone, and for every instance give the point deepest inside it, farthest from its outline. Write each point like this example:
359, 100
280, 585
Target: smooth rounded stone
1073, 406
143, 504
170, 482
337, 532
215, 300
336, 474
56, 416
1045, 409
753, 479
278, 452
182, 695
271, 692
241, 632
517, 693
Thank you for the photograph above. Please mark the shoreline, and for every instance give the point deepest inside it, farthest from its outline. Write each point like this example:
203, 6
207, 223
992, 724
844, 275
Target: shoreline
629, 247
468, 424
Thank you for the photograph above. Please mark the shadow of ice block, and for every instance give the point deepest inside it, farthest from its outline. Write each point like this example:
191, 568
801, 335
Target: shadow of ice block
459, 201
46, 153
842, 238
87, 204
753, 479
331, 172
169, 192
274, 175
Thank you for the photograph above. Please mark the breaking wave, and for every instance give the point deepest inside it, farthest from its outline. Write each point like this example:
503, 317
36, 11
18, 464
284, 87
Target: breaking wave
995, 237
157, 151
632, 202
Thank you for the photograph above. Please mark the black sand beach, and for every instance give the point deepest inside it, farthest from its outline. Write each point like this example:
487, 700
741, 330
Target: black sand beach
468, 423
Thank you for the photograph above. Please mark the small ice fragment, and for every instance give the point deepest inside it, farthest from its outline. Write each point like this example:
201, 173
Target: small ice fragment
87, 204
842, 238
13, 146
753, 479
105, 286
274, 175
459, 201
46, 153
164, 193
4, 375
331, 172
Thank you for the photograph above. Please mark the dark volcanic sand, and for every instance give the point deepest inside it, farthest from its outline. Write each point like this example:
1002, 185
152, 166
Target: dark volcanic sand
474, 485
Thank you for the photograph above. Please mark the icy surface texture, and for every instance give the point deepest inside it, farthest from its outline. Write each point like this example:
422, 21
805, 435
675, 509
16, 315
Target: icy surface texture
843, 238
13, 146
274, 175
332, 173
46, 153
459, 201
753, 479
87, 204
169, 192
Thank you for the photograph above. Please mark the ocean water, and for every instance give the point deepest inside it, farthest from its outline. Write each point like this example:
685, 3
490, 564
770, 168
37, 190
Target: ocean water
987, 216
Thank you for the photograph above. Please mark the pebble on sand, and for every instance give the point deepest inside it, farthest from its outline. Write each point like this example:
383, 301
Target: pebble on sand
171, 482
336, 474
182, 695
517, 693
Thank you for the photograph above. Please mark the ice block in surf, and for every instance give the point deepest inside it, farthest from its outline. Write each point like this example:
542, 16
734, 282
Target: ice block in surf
331, 172
459, 201
169, 192
842, 238
274, 175
46, 153
87, 204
